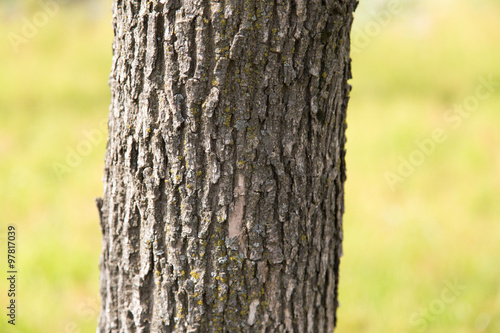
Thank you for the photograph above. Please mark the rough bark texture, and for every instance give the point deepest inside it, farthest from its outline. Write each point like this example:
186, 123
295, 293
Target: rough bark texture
223, 185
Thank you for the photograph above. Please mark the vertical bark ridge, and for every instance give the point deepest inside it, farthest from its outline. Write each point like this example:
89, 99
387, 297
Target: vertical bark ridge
223, 184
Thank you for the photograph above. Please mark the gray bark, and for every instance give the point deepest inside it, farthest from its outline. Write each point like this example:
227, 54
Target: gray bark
223, 184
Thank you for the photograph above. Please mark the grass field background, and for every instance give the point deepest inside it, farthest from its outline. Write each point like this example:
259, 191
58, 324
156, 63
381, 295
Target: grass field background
415, 63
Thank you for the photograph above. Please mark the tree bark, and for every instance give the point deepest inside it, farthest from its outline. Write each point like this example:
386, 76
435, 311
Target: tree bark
225, 165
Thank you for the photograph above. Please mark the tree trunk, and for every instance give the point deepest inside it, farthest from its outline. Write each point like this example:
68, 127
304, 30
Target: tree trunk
223, 184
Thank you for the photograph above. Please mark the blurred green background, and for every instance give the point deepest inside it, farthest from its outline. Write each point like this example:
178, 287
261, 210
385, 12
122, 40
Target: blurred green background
421, 229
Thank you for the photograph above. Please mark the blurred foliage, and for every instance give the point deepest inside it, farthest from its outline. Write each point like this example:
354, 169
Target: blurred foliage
402, 247
54, 90
440, 224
